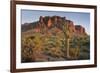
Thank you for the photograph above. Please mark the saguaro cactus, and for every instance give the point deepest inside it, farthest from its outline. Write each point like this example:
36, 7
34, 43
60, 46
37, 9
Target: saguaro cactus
65, 30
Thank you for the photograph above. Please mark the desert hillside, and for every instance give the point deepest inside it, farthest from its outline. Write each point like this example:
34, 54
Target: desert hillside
54, 38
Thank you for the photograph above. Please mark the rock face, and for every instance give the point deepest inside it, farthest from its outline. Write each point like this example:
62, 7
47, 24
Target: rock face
48, 22
80, 29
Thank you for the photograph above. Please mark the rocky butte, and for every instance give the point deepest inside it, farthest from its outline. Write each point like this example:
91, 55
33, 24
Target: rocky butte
48, 22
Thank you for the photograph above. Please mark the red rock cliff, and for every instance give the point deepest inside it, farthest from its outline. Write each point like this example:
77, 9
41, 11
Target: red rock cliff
47, 22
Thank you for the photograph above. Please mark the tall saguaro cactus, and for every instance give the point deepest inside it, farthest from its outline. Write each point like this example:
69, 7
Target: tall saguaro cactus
65, 30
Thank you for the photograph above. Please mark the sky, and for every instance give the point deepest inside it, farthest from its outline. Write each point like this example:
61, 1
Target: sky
79, 18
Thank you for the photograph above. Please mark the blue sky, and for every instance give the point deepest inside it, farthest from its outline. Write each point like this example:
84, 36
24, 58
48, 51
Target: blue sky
78, 18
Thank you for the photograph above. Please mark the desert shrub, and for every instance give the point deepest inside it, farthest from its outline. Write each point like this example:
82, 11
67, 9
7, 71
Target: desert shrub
84, 55
74, 53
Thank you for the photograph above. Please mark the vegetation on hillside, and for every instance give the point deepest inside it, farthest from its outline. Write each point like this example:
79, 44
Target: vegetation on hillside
52, 46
